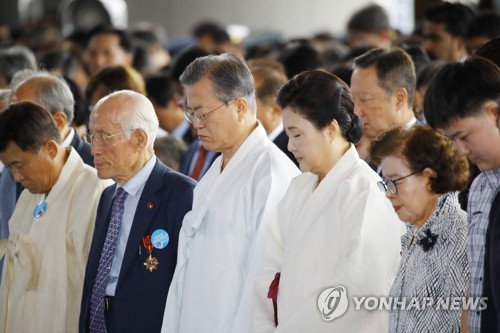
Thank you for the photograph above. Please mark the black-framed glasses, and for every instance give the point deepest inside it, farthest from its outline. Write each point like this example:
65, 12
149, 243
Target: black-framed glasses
387, 185
101, 139
192, 116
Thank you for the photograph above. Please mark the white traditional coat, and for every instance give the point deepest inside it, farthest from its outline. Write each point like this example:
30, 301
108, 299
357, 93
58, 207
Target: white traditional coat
45, 258
344, 232
212, 288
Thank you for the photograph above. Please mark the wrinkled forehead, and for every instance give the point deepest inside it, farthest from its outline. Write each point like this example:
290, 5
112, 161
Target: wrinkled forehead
109, 113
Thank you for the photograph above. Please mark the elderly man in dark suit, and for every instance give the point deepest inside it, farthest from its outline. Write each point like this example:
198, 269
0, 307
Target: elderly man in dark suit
134, 248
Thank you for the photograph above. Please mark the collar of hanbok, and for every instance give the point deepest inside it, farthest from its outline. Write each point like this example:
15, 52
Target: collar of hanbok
211, 186
14, 249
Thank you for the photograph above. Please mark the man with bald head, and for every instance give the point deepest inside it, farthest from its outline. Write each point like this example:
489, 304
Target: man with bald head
134, 248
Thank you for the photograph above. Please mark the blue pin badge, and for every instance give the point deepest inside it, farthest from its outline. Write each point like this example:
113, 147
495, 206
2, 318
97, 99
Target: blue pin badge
40, 209
160, 239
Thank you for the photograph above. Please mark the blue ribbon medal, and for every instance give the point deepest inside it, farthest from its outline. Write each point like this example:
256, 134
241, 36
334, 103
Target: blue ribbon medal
160, 239
40, 209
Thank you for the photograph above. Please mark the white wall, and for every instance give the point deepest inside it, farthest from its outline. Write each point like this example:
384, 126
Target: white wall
294, 18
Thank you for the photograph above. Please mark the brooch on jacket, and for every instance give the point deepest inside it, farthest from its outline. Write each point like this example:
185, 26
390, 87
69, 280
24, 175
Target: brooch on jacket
427, 241
159, 239
151, 262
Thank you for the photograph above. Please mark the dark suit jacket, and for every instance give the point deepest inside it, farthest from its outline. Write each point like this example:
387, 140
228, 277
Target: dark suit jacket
140, 296
282, 142
83, 149
188, 136
189, 155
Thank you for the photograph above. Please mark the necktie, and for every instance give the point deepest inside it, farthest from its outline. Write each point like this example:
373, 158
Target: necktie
196, 173
97, 322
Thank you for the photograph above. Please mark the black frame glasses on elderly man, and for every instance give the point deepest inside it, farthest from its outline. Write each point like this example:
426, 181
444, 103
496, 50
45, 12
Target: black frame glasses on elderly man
100, 138
192, 116
387, 185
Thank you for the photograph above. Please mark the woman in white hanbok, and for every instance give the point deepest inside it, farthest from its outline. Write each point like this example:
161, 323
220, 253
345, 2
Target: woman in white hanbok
335, 237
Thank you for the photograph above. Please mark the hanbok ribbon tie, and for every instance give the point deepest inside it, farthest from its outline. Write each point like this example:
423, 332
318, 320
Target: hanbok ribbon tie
25, 267
273, 294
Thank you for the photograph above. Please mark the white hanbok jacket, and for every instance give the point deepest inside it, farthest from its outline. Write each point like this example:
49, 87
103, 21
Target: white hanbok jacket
344, 232
220, 242
45, 258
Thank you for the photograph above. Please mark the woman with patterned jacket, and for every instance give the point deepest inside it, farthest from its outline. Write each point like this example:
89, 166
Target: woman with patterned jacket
422, 171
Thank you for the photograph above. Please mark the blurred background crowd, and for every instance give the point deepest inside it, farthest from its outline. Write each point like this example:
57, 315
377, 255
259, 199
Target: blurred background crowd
100, 46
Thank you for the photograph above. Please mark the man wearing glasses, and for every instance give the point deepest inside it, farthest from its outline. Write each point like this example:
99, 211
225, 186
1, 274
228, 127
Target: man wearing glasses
220, 240
134, 248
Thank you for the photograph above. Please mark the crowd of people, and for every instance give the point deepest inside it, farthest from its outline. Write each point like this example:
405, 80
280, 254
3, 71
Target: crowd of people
268, 188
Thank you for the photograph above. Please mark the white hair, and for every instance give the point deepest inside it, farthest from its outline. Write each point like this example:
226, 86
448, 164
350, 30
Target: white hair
138, 113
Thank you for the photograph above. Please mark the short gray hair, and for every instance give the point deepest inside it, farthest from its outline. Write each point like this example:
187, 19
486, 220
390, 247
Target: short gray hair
139, 113
229, 74
53, 92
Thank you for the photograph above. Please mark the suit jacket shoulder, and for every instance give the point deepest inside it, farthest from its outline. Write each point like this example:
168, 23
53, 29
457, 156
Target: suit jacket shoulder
140, 295
282, 142
83, 149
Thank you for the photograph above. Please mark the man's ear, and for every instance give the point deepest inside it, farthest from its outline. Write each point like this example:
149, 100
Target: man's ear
401, 97
242, 107
51, 148
276, 111
141, 138
492, 109
60, 119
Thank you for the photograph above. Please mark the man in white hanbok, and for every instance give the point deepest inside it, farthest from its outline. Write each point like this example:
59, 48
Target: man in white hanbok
220, 241
334, 227
51, 227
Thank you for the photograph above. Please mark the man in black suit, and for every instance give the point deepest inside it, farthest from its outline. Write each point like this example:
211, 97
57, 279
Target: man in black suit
128, 275
269, 76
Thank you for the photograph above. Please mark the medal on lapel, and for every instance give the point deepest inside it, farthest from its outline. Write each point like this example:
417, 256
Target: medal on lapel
151, 262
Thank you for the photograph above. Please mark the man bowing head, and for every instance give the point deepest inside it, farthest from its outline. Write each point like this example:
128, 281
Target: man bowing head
134, 247
220, 240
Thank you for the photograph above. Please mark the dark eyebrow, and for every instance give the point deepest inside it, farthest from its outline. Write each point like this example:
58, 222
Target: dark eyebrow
13, 163
455, 134
390, 177
196, 108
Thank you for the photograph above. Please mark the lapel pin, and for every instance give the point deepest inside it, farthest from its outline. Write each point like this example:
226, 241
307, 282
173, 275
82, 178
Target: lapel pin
150, 205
